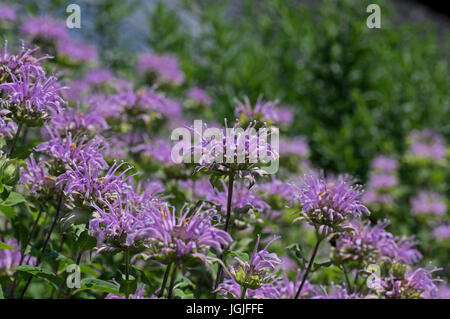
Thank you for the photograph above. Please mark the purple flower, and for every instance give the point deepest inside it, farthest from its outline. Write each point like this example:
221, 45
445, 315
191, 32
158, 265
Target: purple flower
199, 189
98, 76
384, 164
256, 272
117, 225
68, 152
442, 232
164, 67
371, 244
78, 52
87, 183
416, 283
278, 289
21, 62
45, 28
139, 294
7, 13
10, 258
78, 121
443, 292
327, 204
242, 196
382, 181
159, 151
186, 238
297, 146
36, 178
234, 150
427, 144
199, 96
277, 187
428, 203
31, 96
262, 111
335, 292
7, 127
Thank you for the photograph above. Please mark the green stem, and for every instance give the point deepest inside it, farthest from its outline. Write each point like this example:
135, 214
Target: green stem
243, 291
308, 269
22, 252
164, 282
16, 137
52, 227
350, 289
227, 223
127, 270
172, 281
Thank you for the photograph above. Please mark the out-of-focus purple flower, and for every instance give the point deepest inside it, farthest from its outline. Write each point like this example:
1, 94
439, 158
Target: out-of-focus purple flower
165, 67
428, 203
297, 146
199, 96
416, 283
242, 196
199, 189
384, 164
327, 204
10, 258
262, 111
183, 239
443, 292
371, 244
78, 121
7, 13
278, 289
442, 232
427, 144
139, 294
98, 76
160, 151
7, 127
37, 179
78, 52
45, 28
31, 97
335, 292
382, 181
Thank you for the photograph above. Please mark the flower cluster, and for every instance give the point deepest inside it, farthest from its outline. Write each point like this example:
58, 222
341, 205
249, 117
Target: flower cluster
328, 204
383, 180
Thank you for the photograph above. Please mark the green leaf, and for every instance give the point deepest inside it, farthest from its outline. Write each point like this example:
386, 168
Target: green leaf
317, 266
14, 198
296, 251
242, 256
9, 212
41, 273
86, 269
5, 246
98, 284
1, 292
